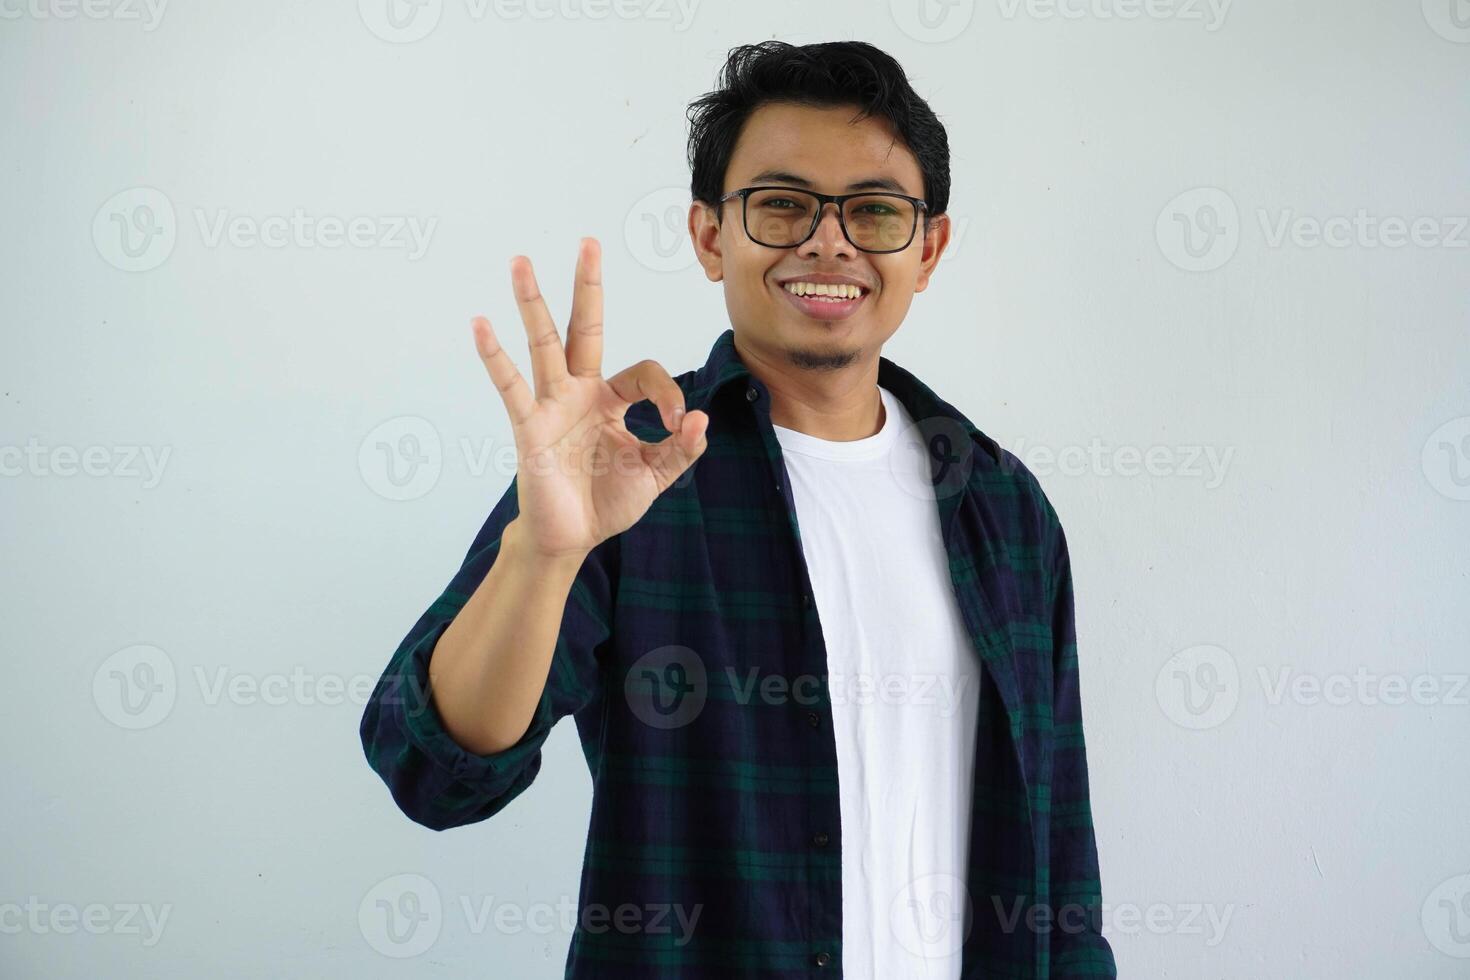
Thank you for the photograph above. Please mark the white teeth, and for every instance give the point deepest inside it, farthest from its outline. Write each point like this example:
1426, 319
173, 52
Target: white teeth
839, 290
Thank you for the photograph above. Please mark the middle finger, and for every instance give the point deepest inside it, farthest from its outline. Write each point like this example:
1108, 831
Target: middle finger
548, 359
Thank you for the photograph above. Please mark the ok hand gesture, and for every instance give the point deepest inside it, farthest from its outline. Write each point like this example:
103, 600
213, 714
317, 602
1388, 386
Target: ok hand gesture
581, 476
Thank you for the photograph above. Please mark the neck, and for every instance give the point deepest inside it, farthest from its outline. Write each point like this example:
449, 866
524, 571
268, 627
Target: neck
837, 403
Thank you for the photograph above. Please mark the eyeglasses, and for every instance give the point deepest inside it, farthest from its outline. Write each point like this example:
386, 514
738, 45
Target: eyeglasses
785, 217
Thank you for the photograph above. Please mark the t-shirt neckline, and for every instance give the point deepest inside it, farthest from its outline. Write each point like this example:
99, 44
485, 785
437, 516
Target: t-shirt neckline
869, 447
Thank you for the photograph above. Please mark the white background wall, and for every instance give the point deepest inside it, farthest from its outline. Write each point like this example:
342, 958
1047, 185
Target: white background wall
1325, 545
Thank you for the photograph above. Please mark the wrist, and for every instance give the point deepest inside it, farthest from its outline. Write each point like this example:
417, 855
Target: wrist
514, 539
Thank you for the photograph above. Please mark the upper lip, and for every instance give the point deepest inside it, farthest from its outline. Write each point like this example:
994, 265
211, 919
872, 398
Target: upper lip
825, 277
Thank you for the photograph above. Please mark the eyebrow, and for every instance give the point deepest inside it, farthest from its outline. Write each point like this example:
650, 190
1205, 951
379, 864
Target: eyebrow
796, 180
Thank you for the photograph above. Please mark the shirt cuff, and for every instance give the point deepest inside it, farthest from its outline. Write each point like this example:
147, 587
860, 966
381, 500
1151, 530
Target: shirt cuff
491, 773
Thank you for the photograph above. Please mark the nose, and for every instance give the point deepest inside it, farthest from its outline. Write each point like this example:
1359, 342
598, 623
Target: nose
828, 239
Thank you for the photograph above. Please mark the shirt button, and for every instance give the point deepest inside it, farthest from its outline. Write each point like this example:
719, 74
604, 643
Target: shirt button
820, 838
751, 394
823, 958
806, 600
813, 719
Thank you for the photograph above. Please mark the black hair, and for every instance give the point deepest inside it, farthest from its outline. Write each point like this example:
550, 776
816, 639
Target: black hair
825, 75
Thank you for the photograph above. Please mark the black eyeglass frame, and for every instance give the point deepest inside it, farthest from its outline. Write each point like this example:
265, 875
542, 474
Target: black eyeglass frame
822, 201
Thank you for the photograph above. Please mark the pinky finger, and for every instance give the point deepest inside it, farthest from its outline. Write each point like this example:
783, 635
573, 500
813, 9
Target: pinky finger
520, 402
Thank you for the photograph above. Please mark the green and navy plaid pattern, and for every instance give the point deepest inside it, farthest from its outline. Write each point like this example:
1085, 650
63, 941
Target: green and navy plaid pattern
681, 657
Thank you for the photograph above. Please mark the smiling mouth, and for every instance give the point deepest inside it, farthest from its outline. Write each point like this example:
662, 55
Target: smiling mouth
825, 291
824, 301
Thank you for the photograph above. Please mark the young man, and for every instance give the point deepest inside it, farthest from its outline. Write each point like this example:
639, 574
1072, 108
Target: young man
826, 678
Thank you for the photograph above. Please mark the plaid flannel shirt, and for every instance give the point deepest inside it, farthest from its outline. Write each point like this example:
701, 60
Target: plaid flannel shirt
715, 787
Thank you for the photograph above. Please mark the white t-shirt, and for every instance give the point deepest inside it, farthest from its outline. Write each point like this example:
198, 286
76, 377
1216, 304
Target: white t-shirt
905, 682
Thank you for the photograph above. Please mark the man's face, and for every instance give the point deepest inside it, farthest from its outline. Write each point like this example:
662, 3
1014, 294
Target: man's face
784, 145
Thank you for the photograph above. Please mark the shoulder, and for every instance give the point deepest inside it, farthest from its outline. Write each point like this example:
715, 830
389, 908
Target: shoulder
1007, 467
1006, 487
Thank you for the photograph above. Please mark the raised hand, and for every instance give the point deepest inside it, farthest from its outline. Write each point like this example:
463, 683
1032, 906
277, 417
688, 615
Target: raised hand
581, 476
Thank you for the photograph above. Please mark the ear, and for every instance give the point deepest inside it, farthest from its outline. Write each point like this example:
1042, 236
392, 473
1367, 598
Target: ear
704, 232
936, 238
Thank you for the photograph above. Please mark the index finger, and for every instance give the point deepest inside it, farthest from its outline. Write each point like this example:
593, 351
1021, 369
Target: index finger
649, 380
584, 332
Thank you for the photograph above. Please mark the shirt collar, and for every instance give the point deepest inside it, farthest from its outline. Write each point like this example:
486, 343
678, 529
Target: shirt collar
724, 367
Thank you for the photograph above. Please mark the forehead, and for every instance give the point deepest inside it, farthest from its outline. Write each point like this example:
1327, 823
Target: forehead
823, 146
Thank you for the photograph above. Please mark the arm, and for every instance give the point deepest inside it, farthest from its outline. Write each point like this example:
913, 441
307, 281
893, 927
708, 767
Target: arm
510, 647
502, 698
1078, 948
488, 670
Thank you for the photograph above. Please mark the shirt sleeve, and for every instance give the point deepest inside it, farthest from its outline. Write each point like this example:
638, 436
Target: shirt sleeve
434, 780
1078, 946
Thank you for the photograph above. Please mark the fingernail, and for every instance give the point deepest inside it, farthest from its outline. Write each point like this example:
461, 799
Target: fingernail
678, 419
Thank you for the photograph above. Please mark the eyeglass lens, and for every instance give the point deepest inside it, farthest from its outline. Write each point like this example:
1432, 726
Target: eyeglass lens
874, 222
